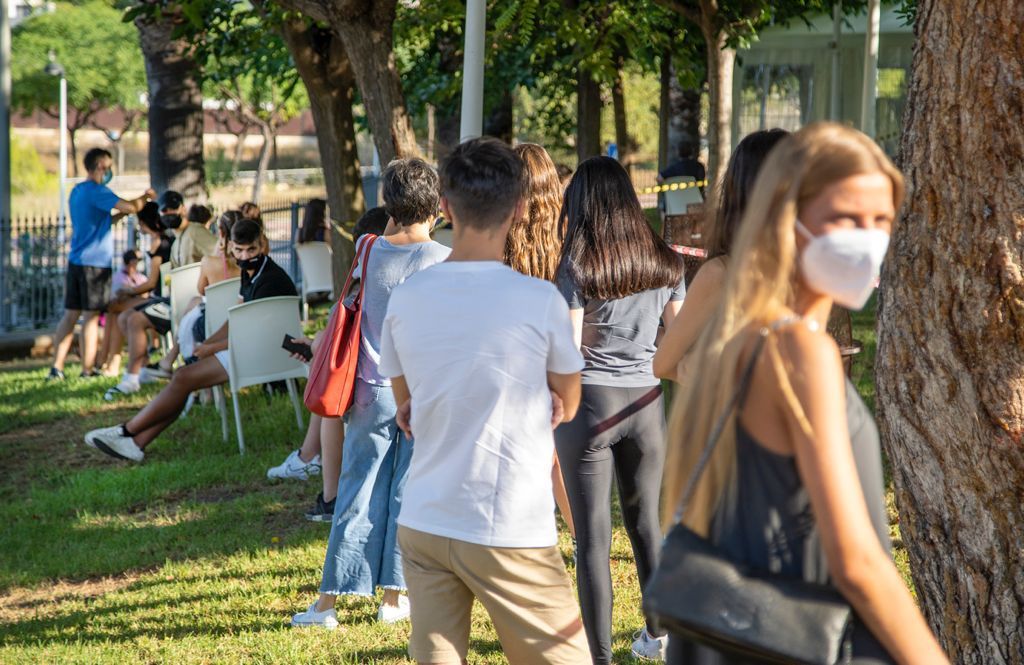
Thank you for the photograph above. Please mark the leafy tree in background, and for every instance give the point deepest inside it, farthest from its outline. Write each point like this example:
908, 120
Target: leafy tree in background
247, 67
101, 59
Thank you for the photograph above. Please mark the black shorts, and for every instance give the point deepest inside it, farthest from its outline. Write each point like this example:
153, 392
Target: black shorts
87, 288
158, 311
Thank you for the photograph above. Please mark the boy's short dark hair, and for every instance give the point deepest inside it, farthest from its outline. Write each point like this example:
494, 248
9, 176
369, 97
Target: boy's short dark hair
199, 214
482, 181
410, 191
93, 157
130, 255
246, 232
374, 221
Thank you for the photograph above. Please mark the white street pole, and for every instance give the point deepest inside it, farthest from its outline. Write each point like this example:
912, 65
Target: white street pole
472, 120
63, 157
870, 92
5, 157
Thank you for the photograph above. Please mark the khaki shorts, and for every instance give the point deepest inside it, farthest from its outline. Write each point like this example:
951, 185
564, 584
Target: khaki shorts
526, 591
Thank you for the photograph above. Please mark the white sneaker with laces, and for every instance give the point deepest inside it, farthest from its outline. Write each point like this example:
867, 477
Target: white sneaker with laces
328, 619
294, 468
649, 647
113, 442
392, 614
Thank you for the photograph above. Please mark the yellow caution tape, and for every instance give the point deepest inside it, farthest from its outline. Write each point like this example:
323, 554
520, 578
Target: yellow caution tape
673, 187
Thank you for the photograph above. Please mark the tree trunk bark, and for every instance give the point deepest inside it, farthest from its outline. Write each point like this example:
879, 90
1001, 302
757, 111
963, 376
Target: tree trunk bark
73, 144
951, 329
369, 40
720, 65
684, 117
323, 64
267, 132
236, 159
498, 122
175, 112
664, 112
588, 116
623, 141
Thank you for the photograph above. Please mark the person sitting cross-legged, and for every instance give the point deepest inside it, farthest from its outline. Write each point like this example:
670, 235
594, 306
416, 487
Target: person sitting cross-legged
261, 278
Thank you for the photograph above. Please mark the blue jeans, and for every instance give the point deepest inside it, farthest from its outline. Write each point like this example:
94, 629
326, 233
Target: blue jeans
362, 552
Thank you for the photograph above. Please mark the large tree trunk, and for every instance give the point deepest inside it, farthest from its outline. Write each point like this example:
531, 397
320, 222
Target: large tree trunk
664, 112
498, 121
323, 64
175, 112
720, 65
623, 141
951, 329
267, 132
368, 37
684, 116
588, 115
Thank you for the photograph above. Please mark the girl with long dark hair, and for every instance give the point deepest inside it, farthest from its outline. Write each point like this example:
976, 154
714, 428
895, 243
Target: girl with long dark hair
620, 279
705, 290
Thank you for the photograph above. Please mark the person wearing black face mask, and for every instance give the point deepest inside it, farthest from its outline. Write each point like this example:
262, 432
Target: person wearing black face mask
193, 241
265, 280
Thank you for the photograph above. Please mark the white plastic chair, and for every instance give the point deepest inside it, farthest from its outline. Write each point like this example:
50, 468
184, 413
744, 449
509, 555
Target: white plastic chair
255, 332
317, 275
220, 297
677, 200
184, 287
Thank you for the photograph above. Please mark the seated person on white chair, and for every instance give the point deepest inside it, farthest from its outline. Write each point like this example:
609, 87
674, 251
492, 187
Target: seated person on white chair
261, 278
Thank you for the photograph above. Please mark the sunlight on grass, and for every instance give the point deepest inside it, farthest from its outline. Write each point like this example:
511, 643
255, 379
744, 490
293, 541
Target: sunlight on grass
194, 557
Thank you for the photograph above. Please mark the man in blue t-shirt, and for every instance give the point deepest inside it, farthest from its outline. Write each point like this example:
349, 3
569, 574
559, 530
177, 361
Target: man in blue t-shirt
90, 259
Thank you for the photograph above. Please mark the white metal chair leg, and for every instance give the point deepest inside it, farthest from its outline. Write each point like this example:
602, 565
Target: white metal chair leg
293, 392
189, 403
305, 309
238, 422
218, 400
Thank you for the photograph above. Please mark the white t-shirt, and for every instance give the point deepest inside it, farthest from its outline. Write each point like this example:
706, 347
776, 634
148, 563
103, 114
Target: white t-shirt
474, 341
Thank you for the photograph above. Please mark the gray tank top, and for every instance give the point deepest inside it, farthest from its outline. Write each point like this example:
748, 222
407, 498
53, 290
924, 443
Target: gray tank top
765, 520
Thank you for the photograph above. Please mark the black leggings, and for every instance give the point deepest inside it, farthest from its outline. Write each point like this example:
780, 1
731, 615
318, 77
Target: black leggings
634, 451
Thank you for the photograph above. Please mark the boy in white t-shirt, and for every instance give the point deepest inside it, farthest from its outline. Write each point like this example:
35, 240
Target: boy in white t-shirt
483, 362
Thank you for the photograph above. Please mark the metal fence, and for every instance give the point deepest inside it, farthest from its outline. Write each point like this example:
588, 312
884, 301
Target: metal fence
34, 252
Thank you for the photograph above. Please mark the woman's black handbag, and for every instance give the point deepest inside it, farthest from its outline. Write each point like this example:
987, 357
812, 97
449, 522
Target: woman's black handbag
698, 593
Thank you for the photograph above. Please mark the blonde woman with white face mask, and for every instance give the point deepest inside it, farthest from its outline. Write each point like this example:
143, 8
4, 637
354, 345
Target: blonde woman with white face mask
794, 486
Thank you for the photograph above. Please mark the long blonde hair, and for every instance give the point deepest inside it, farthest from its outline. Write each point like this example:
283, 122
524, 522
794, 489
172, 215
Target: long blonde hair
758, 288
534, 246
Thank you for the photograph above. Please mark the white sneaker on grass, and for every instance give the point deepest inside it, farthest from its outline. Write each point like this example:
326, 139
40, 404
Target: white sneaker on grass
114, 442
122, 389
328, 619
649, 647
393, 614
294, 468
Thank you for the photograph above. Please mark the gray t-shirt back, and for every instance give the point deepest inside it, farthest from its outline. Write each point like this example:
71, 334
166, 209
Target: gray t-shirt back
619, 335
389, 265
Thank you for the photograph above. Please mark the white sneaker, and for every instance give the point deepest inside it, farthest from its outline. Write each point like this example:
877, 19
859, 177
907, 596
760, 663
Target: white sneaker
327, 619
392, 614
120, 390
294, 468
647, 646
113, 442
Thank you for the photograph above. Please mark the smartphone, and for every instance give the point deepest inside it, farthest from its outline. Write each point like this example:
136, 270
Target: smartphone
191, 359
289, 344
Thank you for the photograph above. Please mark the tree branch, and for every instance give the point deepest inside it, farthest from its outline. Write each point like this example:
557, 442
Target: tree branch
686, 11
311, 8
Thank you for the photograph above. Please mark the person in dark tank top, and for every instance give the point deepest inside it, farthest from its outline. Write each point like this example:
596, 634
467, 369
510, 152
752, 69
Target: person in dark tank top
794, 487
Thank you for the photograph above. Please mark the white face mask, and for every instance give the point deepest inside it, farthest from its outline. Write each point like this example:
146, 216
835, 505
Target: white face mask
844, 264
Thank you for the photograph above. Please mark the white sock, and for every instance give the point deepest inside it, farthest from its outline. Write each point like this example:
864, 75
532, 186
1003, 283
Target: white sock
130, 378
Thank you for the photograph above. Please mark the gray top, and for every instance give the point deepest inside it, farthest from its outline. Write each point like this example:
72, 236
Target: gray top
618, 335
388, 266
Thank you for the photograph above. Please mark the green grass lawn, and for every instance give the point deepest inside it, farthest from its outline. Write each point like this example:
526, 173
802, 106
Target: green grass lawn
192, 557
